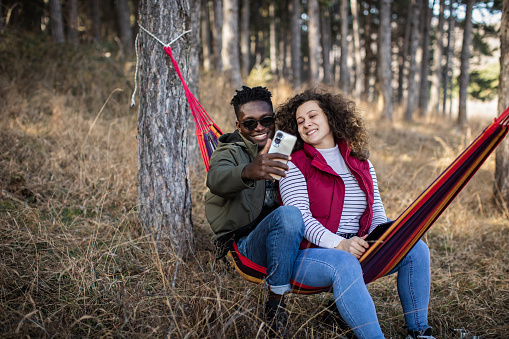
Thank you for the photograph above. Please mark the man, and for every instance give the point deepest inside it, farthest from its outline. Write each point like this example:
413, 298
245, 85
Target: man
242, 201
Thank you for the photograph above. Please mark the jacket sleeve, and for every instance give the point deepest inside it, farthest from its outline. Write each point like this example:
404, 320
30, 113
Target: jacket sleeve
225, 169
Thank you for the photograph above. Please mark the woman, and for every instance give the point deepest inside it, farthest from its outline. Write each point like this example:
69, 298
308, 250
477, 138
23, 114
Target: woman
332, 182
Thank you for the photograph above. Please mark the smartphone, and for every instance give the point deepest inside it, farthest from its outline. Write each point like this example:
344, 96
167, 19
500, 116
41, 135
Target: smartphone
283, 143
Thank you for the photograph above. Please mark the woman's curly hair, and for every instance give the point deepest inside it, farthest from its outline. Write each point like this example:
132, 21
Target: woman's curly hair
344, 119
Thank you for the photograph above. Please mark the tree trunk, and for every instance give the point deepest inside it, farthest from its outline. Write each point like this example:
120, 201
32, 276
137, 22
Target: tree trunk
369, 53
344, 75
218, 34
414, 43
424, 87
96, 22
124, 20
436, 80
193, 150
502, 153
314, 41
57, 23
230, 50
73, 22
285, 44
403, 55
326, 43
272, 39
245, 40
449, 56
164, 192
205, 35
465, 64
296, 43
384, 64
357, 48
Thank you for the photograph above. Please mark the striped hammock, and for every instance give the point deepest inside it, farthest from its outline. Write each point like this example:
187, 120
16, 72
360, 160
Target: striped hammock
398, 239
385, 254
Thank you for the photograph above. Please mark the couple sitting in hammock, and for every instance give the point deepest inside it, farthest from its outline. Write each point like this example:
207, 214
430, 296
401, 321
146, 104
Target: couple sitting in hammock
330, 202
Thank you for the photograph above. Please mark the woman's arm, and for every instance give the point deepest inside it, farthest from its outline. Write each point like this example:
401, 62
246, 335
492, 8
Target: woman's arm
293, 190
379, 216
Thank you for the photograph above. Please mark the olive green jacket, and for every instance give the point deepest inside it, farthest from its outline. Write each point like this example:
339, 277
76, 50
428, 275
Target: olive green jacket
232, 203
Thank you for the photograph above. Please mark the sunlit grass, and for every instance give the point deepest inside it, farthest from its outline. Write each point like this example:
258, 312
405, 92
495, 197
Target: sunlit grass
76, 262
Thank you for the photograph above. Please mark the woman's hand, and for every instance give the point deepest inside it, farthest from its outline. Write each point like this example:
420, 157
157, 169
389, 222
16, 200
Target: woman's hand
356, 246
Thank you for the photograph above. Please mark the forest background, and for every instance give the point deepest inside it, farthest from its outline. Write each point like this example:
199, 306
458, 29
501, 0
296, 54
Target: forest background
78, 260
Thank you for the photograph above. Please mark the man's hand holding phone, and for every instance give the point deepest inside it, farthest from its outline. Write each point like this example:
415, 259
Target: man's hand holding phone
266, 166
270, 163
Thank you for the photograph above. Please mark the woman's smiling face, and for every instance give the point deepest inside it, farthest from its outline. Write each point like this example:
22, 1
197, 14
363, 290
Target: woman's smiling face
313, 125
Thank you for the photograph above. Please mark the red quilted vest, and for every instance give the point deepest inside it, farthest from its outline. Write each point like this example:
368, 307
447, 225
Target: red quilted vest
326, 189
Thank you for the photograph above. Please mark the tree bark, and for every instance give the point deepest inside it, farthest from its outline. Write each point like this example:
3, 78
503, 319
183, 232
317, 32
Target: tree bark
205, 35
344, 75
414, 43
230, 51
314, 41
326, 43
57, 23
424, 87
193, 149
436, 80
96, 22
296, 43
384, 64
502, 153
164, 192
124, 20
218, 34
465, 64
245, 40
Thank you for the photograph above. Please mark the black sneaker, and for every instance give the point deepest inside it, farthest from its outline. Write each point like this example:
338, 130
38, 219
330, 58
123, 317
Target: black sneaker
426, 334
277, 319
332, 317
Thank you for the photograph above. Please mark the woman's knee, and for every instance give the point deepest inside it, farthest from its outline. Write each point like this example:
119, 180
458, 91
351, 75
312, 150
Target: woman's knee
420, 251
346, 266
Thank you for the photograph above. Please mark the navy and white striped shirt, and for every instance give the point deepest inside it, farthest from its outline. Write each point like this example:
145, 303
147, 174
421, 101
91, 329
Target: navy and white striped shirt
293, 189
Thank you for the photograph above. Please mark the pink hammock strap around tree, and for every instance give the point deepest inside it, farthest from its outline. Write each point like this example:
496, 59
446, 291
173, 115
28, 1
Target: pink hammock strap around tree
207, 131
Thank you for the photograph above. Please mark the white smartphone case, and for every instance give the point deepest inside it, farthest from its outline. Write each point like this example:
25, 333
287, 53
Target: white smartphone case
282, 143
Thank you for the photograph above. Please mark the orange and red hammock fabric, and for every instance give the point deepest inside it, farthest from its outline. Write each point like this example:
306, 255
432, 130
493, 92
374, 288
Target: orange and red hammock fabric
393, 244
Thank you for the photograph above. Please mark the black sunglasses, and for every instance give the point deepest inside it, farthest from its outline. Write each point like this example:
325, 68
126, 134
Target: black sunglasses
250, 124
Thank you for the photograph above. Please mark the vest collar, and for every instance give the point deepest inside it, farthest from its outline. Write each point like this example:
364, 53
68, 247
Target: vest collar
318, 161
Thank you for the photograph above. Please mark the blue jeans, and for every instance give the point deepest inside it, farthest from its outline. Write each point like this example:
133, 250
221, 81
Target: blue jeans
321, 267
274, 244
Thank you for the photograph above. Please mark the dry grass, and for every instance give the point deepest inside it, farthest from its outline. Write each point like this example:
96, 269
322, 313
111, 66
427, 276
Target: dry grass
76, 263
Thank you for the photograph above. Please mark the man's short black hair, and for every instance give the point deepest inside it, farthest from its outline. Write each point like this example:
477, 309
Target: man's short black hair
247, 94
